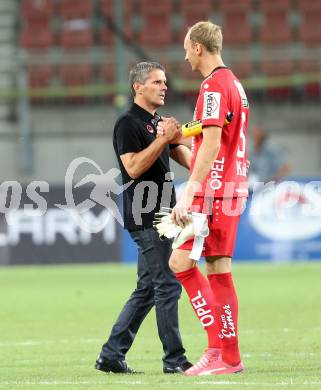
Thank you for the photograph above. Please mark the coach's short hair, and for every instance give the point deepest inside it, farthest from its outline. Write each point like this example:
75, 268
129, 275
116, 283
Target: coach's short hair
139, 73
208, 34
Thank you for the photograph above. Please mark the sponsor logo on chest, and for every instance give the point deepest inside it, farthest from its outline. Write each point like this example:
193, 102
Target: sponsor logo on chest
211, 108
150, 129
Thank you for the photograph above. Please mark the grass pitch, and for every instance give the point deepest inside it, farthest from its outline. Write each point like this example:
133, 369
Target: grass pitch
54, 319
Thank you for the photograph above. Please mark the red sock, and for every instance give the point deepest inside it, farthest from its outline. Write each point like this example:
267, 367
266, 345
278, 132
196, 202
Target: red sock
226, 312
201, 298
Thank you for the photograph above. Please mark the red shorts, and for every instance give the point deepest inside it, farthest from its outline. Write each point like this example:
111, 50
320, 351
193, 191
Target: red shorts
223, 217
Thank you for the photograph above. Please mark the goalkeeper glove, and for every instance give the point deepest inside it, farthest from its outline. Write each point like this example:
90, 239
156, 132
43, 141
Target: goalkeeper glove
196, 226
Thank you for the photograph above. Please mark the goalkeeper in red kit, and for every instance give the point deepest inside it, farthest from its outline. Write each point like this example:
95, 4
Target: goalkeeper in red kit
217, 187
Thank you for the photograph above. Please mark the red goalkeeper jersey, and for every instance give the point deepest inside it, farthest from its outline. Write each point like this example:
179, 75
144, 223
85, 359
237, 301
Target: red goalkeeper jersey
222, 102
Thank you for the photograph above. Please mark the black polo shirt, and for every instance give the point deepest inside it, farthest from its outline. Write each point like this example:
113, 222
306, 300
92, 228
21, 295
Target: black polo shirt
134, 131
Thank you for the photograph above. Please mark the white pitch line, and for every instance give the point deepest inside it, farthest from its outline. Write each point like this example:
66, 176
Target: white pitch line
46, 383
185, 383
31, 343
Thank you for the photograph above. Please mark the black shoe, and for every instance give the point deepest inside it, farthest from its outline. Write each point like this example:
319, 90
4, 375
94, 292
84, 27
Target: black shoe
114, 365
178, 369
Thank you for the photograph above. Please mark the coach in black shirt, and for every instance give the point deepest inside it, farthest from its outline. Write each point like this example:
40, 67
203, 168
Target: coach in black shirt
144, 162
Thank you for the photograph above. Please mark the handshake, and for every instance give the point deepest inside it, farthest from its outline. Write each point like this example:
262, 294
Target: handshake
173, 130
196, 227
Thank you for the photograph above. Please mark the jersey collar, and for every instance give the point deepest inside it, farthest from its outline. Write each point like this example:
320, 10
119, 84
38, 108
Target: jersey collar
143, 114
215, 69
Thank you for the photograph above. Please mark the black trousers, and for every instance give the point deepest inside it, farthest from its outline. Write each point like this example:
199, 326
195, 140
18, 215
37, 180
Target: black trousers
156, 285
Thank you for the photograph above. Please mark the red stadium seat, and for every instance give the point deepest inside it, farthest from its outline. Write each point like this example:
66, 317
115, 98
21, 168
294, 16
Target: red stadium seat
236, 28
107, 73
242, 69
273, 69
192, 12
310, 29
156, 32
107, 8
156, 7
280, 5
235, 5
39, 76
107, 36
108, 77
33, 10
75, 76
36, 38
76, 35
309, 6
276, 29
71, 9
312, 89
190, 6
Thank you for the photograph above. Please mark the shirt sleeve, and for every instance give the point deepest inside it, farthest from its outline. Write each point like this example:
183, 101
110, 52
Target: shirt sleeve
213, 104
127, 137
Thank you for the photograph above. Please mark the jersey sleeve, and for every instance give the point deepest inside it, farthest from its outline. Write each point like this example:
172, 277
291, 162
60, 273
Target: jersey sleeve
213, 104
127, 137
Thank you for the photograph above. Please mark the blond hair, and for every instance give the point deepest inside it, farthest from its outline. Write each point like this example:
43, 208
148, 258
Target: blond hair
208, 34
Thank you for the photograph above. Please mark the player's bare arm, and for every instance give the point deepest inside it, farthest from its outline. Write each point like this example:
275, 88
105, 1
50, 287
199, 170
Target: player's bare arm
207, 153
138, 163
182, 155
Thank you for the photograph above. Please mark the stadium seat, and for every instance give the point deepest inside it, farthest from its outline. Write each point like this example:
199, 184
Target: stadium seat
280, 5
309, 6
33, 10
108, 9
235, 5
156, 7
188, 7
275, 29
156, 31
75, 76
277, 87
36, 38
76, 35
192, 12
107, 73
107, 36
71, 9
236, 28
312, 89
108, 76
310, 29
156, 28
242, 69
39, 76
